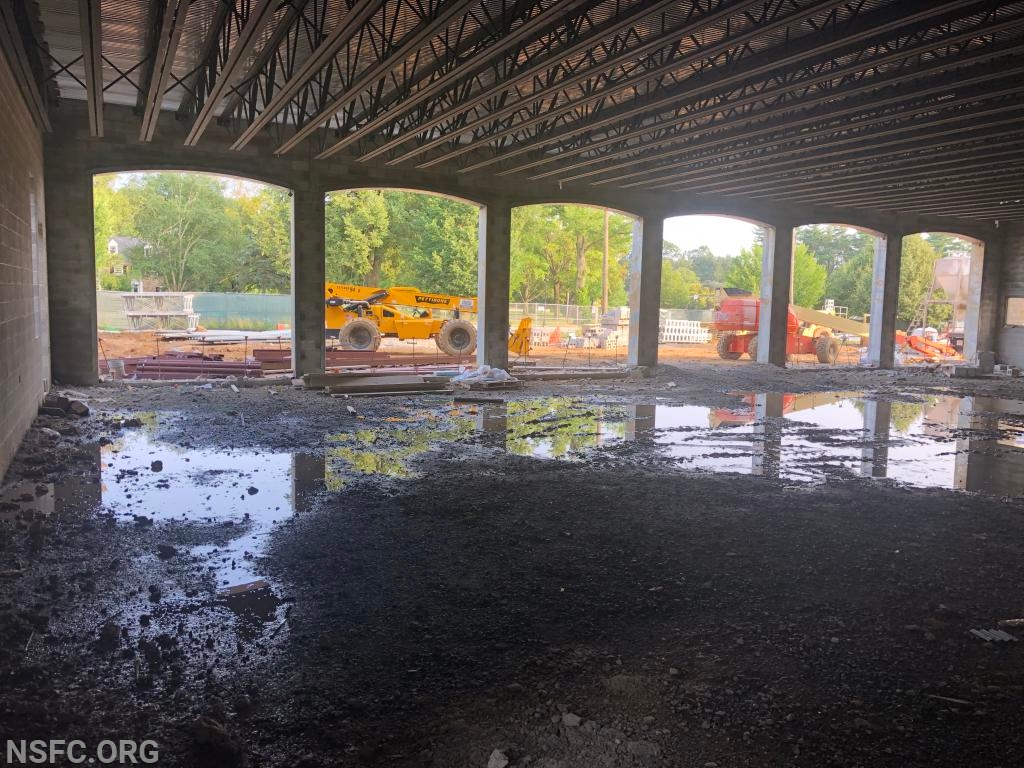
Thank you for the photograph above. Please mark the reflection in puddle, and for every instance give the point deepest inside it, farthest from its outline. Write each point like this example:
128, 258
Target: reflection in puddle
231, 500
942, 442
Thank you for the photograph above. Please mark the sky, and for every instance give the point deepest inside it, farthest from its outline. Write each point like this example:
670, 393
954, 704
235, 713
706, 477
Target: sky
725, 237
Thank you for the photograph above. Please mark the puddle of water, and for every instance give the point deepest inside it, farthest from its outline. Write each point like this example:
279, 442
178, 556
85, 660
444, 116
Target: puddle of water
973, 444
937, 442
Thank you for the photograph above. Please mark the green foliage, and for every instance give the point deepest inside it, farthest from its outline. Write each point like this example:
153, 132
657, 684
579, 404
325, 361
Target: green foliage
833, 245
850, 284
948, 245
808, 278
558, 250
745, 272
201, 238
808, 275
357, 225
680, 286
916, 273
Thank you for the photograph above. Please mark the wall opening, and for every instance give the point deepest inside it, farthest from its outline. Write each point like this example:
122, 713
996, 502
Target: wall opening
570, 276
193, 273
401, 270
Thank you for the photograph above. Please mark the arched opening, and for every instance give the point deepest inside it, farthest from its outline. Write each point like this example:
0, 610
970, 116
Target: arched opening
711, 263
571, 268
193, 273
941, 290
401, 271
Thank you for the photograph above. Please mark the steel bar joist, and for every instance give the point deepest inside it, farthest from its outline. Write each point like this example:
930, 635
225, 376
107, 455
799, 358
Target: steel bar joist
859, 103
775, 89
232, 43
168, 34
867, 55
500, 41
565, 50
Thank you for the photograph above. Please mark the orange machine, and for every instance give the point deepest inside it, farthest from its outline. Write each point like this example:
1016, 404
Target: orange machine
737, 319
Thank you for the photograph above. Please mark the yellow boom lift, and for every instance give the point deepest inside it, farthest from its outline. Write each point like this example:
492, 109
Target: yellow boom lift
359, 316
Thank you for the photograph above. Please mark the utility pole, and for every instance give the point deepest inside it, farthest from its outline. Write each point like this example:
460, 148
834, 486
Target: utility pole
604, 268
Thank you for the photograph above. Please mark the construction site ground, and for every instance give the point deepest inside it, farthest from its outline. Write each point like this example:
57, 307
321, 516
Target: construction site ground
113, 346
275, 577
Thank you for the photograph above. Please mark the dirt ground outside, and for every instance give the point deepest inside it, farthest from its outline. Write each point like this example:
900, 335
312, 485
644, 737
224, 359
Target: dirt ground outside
113, 346
275, 577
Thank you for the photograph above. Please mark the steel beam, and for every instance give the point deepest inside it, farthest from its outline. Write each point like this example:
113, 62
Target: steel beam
744, 77
843, 174
859, 147
674, 178
938, 86
744, 38
211, 47
259, 17
529, 30
827, 189
92, 58
871, 26
409, 45
360, 12
951, 190
171, 25
621, 23
267, 52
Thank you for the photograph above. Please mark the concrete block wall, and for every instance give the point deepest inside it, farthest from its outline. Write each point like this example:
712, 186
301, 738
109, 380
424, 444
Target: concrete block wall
24, 328
1010, 345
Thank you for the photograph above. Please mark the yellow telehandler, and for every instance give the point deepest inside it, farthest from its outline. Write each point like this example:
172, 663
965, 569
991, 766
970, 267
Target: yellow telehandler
359, 316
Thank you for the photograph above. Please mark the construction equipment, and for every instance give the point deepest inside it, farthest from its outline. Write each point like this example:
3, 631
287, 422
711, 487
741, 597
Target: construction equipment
932, 351
519, 341
808, 331
359, 316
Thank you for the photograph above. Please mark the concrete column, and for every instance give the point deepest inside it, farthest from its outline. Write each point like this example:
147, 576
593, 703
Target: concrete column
71, 272
493, 284
308, 277
981, 320
645, 290
776, 290
885, 290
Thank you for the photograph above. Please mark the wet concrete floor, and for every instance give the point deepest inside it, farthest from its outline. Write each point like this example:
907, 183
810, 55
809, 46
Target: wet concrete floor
203, 519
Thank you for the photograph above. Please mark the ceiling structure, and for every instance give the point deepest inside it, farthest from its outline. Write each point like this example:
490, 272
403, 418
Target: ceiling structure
914, 106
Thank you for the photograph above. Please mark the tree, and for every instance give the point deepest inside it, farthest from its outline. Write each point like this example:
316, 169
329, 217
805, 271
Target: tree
917, 269
833, 244
431, 242
808, 278
112, 217
808, 275
850, 284
182, 216
565, 244
264, 263
679, 285
356, 225
745, 272
948, 245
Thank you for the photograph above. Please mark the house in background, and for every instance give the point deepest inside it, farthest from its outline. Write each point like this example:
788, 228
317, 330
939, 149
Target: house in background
117, 274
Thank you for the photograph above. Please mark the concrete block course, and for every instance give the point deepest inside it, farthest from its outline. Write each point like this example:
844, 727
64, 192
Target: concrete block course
24, 347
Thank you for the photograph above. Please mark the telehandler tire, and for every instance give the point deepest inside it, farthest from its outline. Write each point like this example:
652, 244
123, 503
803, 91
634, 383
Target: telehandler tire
359, 334
457, 337
826, 348
752, 346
